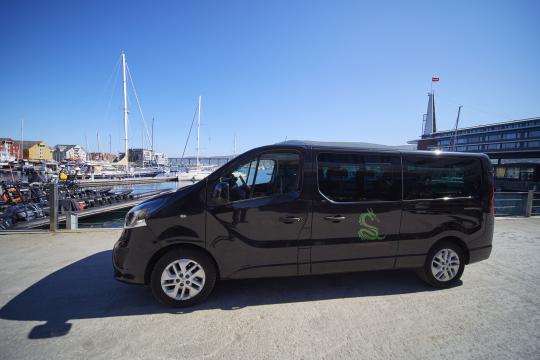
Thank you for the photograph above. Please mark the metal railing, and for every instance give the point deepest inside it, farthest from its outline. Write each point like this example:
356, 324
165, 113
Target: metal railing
526, 203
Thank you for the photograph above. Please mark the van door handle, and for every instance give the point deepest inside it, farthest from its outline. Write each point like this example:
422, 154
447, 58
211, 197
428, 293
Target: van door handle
289, 219
335, 218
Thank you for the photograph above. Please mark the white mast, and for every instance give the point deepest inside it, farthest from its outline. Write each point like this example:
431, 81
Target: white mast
198, 129
125, 110
22, 139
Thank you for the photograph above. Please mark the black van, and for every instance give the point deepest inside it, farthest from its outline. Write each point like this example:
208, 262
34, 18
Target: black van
304, 208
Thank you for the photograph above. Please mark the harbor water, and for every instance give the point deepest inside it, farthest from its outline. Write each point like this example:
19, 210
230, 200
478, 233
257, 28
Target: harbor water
115, 219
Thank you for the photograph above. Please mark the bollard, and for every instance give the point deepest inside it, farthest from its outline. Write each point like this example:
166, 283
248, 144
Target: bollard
529, 205
72, 220
53, 206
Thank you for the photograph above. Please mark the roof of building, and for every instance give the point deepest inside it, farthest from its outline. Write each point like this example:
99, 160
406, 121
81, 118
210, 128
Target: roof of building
7, 139
29, 144
486, 125
66, 147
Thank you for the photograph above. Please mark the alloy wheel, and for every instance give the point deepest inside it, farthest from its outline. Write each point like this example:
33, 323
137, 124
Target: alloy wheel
445, 265
183, 279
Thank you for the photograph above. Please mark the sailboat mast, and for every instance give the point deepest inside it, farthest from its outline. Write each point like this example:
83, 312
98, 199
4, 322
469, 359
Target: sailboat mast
198, 129
455, 129
22, 139
98, 147
125, 107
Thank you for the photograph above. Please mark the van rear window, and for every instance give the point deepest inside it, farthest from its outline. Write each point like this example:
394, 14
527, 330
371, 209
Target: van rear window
358, 177
439, 177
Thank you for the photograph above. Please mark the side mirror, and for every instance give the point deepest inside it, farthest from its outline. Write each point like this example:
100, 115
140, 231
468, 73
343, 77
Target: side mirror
221, 192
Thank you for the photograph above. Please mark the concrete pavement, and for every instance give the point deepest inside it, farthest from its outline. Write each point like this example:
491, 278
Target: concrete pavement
58, 300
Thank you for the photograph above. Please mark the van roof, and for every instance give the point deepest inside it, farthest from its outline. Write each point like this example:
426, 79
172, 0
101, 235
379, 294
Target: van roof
403, 149
342, 144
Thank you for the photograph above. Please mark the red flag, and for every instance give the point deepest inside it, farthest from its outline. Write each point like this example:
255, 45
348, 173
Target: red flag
434, 79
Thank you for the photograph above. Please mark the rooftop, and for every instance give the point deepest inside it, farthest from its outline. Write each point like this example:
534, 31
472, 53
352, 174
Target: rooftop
487, 125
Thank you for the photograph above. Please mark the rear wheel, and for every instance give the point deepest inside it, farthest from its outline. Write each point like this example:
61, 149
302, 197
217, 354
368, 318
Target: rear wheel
444, 265
183, 277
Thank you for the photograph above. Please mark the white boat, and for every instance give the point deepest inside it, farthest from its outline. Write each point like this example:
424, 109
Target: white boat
198, 172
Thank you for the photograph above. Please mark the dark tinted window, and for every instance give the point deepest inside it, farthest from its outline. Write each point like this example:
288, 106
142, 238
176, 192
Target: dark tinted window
355, 177
436, 177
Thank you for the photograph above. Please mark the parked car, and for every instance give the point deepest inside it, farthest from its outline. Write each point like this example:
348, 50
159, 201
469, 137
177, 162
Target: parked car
307, 208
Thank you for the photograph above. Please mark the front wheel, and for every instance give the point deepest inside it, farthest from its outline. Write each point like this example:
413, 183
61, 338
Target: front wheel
183, 277
444, 265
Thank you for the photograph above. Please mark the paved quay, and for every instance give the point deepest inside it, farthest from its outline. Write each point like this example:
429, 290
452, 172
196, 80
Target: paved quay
58, 300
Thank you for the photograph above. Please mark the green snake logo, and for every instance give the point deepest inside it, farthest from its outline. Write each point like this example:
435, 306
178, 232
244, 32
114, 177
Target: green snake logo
367, 231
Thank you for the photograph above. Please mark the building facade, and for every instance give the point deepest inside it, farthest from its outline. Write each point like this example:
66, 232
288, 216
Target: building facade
513, 147
10, 149
160, 159
99, 156
36, 151
506, 140
69, 153
140, 156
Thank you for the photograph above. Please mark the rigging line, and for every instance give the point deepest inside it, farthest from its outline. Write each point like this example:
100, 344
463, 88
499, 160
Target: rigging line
138, 104
114, 70
189, 133
117, 72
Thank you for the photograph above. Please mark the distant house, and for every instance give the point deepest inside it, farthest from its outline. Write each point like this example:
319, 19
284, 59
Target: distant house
140, 156
160, 159
36, 150
101, 156
69, 153
10, 149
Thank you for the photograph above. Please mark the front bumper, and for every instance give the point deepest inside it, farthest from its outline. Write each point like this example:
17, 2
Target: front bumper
132, 254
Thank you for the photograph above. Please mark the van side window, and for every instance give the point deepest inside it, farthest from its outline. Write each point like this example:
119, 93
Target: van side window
269, 174
439, 177
358, 177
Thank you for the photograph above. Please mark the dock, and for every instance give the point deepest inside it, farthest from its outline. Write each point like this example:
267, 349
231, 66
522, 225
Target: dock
129, 181
45, 221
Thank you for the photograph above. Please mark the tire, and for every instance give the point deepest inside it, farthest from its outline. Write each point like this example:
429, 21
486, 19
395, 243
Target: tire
183, 277
448, 262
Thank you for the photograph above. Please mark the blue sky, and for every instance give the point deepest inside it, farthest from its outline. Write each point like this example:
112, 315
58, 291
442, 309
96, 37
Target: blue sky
267, 70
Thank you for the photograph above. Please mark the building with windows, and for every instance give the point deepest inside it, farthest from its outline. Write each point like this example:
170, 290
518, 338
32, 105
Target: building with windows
506, 140
140, 156
69, 153
36, 151
9, 150
513, 146
100, 156
160, 159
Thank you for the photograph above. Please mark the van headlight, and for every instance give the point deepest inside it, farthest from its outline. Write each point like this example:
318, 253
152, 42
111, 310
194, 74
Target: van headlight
135, 218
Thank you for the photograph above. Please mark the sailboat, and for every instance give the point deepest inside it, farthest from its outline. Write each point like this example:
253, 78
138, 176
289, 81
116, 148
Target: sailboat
130, 171
198, 172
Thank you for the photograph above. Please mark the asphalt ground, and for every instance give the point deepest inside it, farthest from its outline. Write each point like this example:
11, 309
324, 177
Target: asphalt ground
58, 300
